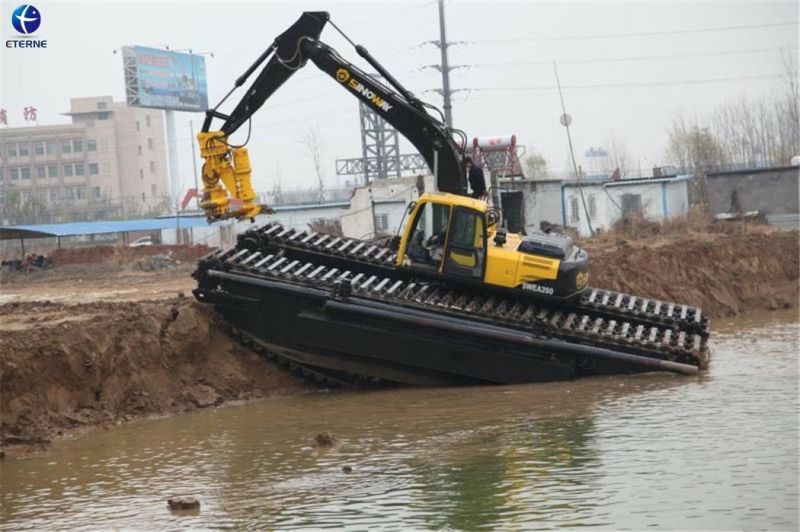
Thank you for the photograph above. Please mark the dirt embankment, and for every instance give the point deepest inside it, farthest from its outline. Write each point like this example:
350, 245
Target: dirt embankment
66, 366
725, 273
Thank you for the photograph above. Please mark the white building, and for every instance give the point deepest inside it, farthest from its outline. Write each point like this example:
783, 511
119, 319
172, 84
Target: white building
379, 208
109, 162
559, 201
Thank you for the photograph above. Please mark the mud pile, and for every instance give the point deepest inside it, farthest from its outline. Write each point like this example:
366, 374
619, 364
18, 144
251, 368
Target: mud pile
66, 366
725, 273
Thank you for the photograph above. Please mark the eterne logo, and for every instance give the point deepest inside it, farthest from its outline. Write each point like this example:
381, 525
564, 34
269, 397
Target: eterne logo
26, 19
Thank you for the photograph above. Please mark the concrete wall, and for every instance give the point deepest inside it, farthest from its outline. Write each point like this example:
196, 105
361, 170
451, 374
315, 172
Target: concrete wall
382, 197
659, 200
541, 202
773, 191
677, 198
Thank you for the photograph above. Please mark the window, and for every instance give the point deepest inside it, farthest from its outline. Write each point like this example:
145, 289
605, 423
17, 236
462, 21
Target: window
381, 222
464, 230
25, 172
79, 169
12, 150
77, 146
66, 147
153, 190
94, 169
106, 169
630, 203
102, 116
81, 193
38, 148
13, 174
96, 193
143, 196
141, 173
149, 143
67, 170
50, 147
427, 237
41, 172
91, 145
152, 167
147, 120
1, 176
102, 105
68, 193
592, 205
140, 150
53, 194
23, 149
574, 213
137, 126
52, 171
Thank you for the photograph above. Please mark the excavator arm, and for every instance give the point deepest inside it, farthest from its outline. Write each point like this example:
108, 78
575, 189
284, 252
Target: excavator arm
288, 53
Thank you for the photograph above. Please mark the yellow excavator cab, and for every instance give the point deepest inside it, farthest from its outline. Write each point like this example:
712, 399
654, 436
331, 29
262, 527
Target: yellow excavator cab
457, 237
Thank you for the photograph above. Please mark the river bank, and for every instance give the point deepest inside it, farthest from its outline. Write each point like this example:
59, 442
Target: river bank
99, 344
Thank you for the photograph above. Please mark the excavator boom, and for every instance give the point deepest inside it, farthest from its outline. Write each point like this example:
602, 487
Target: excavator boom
288, 53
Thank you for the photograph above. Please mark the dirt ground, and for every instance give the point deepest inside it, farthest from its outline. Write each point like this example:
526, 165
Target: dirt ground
93, 344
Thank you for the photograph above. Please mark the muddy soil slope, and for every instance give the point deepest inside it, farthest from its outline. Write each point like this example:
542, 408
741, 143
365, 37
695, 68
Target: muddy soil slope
65, 366
724, 274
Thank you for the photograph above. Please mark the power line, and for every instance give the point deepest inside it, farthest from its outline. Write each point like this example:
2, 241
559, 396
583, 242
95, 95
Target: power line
624, 85
636, 34
631, 58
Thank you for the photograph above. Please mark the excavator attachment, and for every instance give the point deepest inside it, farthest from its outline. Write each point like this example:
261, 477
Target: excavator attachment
226, 169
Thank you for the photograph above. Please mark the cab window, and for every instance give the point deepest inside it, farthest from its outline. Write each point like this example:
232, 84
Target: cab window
428, 237
466, 252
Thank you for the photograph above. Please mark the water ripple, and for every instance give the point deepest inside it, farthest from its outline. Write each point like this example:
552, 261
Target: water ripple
716, 451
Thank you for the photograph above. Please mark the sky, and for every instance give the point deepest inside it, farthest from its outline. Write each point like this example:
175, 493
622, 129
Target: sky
627, 68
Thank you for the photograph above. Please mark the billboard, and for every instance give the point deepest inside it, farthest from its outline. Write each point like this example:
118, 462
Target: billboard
164, 80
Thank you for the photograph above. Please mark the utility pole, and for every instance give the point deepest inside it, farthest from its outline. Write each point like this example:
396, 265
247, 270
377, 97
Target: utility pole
443, 44
444, 67
566, 120
194, 155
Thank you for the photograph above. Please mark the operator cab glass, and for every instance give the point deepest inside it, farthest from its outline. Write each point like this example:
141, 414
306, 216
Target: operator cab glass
426, 246
466, 245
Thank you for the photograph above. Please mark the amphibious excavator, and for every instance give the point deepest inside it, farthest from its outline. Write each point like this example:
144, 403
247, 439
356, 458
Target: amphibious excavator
453, 298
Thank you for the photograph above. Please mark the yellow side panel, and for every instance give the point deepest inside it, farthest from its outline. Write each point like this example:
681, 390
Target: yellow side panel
501, 266
508, 267
535, 267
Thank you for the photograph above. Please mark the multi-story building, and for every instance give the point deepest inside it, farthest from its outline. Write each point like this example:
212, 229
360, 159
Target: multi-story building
110, 162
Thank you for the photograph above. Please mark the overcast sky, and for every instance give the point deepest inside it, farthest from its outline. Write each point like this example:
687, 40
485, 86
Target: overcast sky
627, 68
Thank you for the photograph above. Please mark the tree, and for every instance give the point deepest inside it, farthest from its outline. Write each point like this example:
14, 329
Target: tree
694, 148
314, 149
764, 131
535, 166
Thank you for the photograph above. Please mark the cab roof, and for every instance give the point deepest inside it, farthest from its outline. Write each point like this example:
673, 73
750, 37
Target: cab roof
455, 200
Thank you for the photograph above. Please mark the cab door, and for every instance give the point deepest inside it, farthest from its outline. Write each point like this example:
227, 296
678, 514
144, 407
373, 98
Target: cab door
465, 253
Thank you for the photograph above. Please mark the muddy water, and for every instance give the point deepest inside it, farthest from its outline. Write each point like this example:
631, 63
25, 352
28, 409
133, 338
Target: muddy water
718, 451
